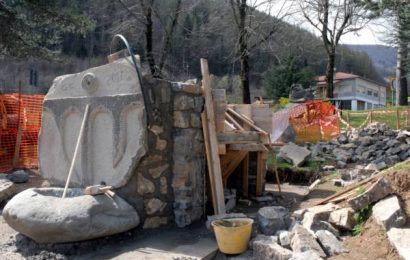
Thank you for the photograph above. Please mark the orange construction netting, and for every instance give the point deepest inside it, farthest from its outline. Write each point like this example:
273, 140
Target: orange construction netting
314, 121
20, 121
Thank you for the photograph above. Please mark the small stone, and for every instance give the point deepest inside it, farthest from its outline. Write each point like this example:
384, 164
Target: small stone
377, 191
195, 120
312, 223
263, 238
163, 185
307, 255
183, 102
343, 218
328, 168
272, 219
388, 213
343, 139
144, 185
340, 165
302, 240
156, 172
20, 176
152, 206
264, 250
283, 238
154, 222
322, 212
161, 144
181, 119
156, 129
298, 214
330, 243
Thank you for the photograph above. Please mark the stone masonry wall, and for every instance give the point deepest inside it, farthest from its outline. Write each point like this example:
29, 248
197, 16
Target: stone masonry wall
188, 154
167, 185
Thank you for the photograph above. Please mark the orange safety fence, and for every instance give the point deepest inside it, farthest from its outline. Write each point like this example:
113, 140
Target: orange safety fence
314, 121
20, 121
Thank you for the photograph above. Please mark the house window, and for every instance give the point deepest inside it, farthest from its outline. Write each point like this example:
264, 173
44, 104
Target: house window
375, 94
369, 92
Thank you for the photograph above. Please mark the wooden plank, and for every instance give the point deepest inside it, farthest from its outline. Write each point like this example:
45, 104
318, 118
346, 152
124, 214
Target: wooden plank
214, 161
234, 122
247, 122
232, 162
238, 137
16, 157
219, 100
251, 147
209, 159
260, 173
245, 176
222, 148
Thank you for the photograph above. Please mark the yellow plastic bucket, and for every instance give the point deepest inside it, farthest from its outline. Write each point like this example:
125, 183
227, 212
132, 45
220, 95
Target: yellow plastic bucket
233, 235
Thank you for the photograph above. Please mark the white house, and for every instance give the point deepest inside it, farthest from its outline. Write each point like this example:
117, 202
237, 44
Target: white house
353, 92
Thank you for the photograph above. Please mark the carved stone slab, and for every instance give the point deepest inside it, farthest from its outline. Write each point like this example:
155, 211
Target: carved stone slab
114, 137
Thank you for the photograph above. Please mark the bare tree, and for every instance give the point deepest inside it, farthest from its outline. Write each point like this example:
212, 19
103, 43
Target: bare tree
333, 19
395, 15
251, 34
148, 10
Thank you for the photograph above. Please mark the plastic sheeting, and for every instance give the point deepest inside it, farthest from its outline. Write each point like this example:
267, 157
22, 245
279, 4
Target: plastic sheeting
311, 122
19, 112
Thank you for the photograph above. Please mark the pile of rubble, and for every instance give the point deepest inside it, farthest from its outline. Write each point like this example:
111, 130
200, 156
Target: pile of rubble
375, 147
316, 232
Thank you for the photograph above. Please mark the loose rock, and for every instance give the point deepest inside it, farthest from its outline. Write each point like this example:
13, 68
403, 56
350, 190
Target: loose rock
307, 255
400, 239
294, 154
343, 218
377, 191
44, 216
270, 251
302, 240
388, 213
330, 243
272, 219
20, 176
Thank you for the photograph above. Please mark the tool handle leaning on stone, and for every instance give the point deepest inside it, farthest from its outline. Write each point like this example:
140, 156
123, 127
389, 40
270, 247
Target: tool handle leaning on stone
77, 147
99, 189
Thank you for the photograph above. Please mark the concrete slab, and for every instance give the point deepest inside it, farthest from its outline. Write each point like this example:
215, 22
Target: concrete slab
165, 245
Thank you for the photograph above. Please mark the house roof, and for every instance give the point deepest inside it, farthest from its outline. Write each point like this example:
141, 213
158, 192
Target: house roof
338, 76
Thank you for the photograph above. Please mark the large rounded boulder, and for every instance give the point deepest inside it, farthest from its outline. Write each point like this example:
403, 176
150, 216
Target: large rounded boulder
44, 216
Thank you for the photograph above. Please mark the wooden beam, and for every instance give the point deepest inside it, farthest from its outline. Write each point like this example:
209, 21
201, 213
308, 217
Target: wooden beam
251, 147
247, 122
260, 172
231, 161
245, 176
238, 137
234, 122
213, 158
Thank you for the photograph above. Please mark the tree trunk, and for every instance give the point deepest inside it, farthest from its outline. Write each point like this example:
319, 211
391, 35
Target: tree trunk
401, 72
330, 74
244, 53
148, 41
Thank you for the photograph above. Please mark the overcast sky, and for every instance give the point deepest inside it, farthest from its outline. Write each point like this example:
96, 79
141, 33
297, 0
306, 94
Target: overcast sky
371, 34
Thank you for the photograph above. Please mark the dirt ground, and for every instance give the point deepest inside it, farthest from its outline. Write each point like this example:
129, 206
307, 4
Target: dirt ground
371, 244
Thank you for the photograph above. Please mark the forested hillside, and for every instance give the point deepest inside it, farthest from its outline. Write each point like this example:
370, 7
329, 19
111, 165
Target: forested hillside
204, 29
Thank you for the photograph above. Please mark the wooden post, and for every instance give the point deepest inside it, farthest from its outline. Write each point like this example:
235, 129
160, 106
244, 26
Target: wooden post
245, 176
213, 160
398, 118
16, 157
260, 170
371, 117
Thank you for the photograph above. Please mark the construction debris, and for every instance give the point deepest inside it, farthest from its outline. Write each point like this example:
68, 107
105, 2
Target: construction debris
294, 154
272, 219
388, 213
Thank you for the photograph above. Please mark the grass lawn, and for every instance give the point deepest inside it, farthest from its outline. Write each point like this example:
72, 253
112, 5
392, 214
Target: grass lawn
356, 118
